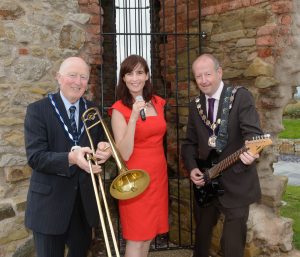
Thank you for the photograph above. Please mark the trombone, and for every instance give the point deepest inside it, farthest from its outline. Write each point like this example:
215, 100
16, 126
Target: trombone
128, 184
89, 116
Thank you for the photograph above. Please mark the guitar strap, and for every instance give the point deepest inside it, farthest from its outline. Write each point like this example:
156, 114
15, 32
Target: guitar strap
222, 137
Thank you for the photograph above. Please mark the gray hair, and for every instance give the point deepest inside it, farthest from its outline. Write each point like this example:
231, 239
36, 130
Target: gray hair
211, 57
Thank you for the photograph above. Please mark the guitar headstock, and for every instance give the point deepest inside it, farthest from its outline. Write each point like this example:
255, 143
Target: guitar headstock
255, 145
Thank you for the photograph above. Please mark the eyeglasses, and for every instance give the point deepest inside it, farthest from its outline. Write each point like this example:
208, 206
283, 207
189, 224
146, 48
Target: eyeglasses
74, 76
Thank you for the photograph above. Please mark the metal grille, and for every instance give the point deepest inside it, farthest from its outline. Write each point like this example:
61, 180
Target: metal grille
133, 29
148, 28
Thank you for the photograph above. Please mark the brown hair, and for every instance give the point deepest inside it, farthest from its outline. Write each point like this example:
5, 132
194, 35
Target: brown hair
127, 66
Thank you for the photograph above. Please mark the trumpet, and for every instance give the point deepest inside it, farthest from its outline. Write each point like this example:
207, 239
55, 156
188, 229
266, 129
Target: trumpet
128, 184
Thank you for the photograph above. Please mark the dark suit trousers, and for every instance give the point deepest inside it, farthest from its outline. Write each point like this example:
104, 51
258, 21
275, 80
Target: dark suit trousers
234, 229
78, 237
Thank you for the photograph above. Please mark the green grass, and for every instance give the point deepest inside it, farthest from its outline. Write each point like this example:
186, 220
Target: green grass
292, 110
291, 210
291, 129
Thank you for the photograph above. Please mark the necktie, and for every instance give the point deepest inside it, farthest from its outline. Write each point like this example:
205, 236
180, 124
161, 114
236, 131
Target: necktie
72, 110
211, 102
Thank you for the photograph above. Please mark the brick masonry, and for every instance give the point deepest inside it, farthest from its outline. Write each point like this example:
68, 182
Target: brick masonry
257, 40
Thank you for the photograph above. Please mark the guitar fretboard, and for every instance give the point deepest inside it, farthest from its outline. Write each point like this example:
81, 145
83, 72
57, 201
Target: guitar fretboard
226, 163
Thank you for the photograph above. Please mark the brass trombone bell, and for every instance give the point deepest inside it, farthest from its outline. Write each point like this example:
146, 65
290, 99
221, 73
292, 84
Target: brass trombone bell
129, 183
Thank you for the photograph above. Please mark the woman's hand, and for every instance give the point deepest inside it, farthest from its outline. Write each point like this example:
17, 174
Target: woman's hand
136, 109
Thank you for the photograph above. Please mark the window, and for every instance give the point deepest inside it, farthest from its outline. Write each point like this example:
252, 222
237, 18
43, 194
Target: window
133, 30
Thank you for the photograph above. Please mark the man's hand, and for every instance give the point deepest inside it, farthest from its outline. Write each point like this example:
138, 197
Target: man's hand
78, 157
247, 158
197, 177
103, 152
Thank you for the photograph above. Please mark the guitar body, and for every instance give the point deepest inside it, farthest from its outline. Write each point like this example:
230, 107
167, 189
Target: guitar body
213, 187
212, 169
204, 195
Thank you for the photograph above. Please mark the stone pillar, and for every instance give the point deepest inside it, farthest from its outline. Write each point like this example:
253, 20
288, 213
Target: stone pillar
35, 37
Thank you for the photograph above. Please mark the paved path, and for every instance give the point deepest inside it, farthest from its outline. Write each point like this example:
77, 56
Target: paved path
291, 169
172, 253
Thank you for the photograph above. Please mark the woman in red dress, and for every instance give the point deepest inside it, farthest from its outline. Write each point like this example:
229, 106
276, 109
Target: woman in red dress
140, 143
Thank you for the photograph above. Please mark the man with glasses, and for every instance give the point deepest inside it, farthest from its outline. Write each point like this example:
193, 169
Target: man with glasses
61, 206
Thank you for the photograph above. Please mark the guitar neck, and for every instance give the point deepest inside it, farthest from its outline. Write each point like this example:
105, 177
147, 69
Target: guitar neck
253, 146
226, 163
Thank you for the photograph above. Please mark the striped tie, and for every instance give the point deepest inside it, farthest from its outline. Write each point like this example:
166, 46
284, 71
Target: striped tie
72, 110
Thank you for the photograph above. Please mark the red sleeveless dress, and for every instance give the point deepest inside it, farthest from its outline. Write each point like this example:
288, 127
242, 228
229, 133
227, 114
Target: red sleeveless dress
145, 216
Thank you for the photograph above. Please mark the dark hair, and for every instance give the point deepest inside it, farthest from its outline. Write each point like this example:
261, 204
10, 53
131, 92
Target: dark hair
127, 66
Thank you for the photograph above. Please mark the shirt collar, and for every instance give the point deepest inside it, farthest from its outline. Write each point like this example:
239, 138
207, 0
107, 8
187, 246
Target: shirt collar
217, 94
67, 103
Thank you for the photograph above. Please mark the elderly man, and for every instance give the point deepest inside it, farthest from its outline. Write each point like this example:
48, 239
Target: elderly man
61, 206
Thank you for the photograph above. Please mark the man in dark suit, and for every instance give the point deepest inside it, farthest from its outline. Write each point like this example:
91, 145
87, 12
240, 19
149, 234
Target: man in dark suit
61, 206
204, 144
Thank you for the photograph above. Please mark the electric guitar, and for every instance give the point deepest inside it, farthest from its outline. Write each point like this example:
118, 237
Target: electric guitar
212, 188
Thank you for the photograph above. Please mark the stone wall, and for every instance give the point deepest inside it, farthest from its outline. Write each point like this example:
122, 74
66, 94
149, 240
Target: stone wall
289, 147
35, 36
258, 44
257, 40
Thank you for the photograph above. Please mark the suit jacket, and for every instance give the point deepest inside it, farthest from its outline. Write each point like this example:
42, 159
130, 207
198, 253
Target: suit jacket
240, 182
54, 184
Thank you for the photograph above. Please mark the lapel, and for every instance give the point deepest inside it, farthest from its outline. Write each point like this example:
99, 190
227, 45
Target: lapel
204, 130
221, 102
81, 111
203, 103
62, 110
